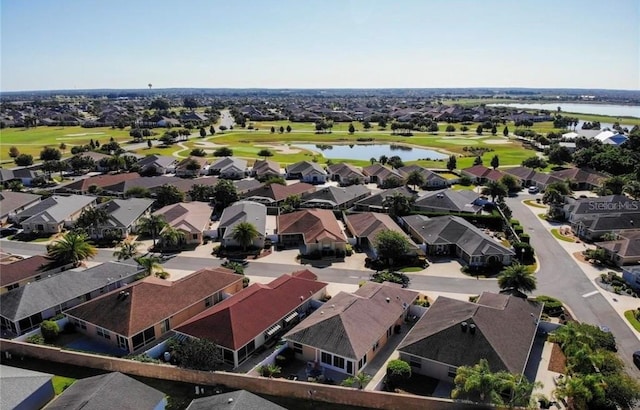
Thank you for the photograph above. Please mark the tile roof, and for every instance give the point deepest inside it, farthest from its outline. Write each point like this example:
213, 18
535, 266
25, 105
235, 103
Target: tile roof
314, 224
244, 211
369, 224
152, 300
22, 269
237, 400
233, 322
278, 192
12, 201
451, 229
56, 208
337, 327
17, 385
448, 200
52, 291
505, 327
191, 217
101, 181
108, 391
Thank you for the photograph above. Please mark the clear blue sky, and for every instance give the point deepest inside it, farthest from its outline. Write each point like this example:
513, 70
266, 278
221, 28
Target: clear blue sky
77, 44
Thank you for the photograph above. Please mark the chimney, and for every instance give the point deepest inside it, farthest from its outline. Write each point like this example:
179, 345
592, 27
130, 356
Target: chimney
472, 329
463, 326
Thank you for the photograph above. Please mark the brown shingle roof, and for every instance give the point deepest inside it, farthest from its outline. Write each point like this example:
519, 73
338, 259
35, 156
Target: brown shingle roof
101, 181
369, 224
22, 269
314, 224
152, 300
279, 192
233, 322
191, 217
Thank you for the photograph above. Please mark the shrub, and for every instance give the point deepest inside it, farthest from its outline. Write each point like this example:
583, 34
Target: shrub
465, 181
69, 328
348, 250
36, 339
50, 330
398, 371
552, 306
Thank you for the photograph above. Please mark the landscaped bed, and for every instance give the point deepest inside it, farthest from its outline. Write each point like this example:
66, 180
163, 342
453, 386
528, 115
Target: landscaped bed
630, 315
558, 361
556, 234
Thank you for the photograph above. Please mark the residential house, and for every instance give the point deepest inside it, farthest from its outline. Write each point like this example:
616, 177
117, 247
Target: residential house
123, 217
229, 168
625, 249
157, 165
366, 226
183, 167
453, 333
95, 183
24, 389
592, 227
581, 178
243, 211
346, 174
24, 308
239, 399
275, 194
452, 235
449, 200
523, 174
333, 197
313, 230
376, 203
631, 275
53, 214
193, 117
379, 174
576, 209
480, 174
12, 203
190, 218
24, 271
542, 180
432, 180
264, 168
111, 390
139, 314
306, 171
235, 327
24, 175
349, 330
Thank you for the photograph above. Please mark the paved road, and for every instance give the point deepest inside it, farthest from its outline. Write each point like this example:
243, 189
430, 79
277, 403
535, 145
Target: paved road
560, 276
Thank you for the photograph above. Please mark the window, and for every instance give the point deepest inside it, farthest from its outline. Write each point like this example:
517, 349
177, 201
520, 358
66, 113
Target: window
452, 372
375, 346
166, 326
195, 236
349, 367
362, 362
297, 348
208, 302
14, 286
415, 363
389, 331
80, 324
143, 338
103, 333
325, 358
338, 362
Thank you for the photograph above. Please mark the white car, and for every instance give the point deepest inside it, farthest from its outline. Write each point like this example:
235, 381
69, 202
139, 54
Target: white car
533, 190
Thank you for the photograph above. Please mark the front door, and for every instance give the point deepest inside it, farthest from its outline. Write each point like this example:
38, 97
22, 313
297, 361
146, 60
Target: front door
122, 343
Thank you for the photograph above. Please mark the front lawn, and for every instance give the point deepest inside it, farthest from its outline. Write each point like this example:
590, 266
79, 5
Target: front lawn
556, 233
630, 315
533, 203
60, 383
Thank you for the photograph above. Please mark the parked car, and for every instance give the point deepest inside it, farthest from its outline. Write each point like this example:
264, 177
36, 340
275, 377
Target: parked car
533, 190
8, 232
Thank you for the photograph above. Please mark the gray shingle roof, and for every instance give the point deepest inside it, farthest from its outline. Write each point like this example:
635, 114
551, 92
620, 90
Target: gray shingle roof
12, 201
162, 161
108, 391
448, 200
304, 168
124, 212
18, 384
244, 211
237, 400
455, 230
52, 291
227, 162
377, 199
55, 208
504, 333
336, 196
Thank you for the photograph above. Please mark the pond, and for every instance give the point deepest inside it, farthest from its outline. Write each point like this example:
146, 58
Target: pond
597, 109
365, 152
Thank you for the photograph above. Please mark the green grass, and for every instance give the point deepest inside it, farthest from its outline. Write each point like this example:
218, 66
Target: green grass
458, 187
410, 269
533, 203
556, 233
629, 314
60, 383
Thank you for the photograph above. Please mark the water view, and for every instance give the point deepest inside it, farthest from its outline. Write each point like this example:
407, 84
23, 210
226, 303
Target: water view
365, 152
597, 109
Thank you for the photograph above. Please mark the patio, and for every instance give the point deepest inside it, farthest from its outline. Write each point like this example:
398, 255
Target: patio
311, 372
77, 341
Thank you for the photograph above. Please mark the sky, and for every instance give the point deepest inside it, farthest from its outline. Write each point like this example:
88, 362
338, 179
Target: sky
88, 44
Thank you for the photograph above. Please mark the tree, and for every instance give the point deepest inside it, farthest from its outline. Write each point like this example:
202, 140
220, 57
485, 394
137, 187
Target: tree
172, 238
505, 131
452, 163
534, 162
201, 193
203, 132
92, 218
494, 130
360, 380
159, 104
517, 278
13, 152
632, 188
510, 182
366, 125
494, 189
352, 129
15, 186
23, 160
415, 178
477, 160
265, 153
450, 129
495, 162
168, 194
222, 128
395, 161
50, 330
152, 225
190, 102
199, 354
150, 265
479, 130
244, 233
383, 159
382, 123
390, 244
464, 129
288, 129
50, 154
612, 186
137, 192
128, 250
479, 384
224, 194
559, 155
398, 204
223, 152
72, 248
398, 371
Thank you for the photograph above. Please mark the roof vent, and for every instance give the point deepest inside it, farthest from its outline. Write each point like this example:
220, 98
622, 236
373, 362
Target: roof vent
472, 328
388, 300
230, 400
463, 326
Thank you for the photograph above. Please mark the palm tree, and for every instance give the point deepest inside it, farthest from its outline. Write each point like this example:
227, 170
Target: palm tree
150, 265
152, 225
578, 390
71, 248
415, 178
172, 237
632, 188
128, 250
517, 278
398, 204
494, 189
92, 218
478, 383
244, 233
